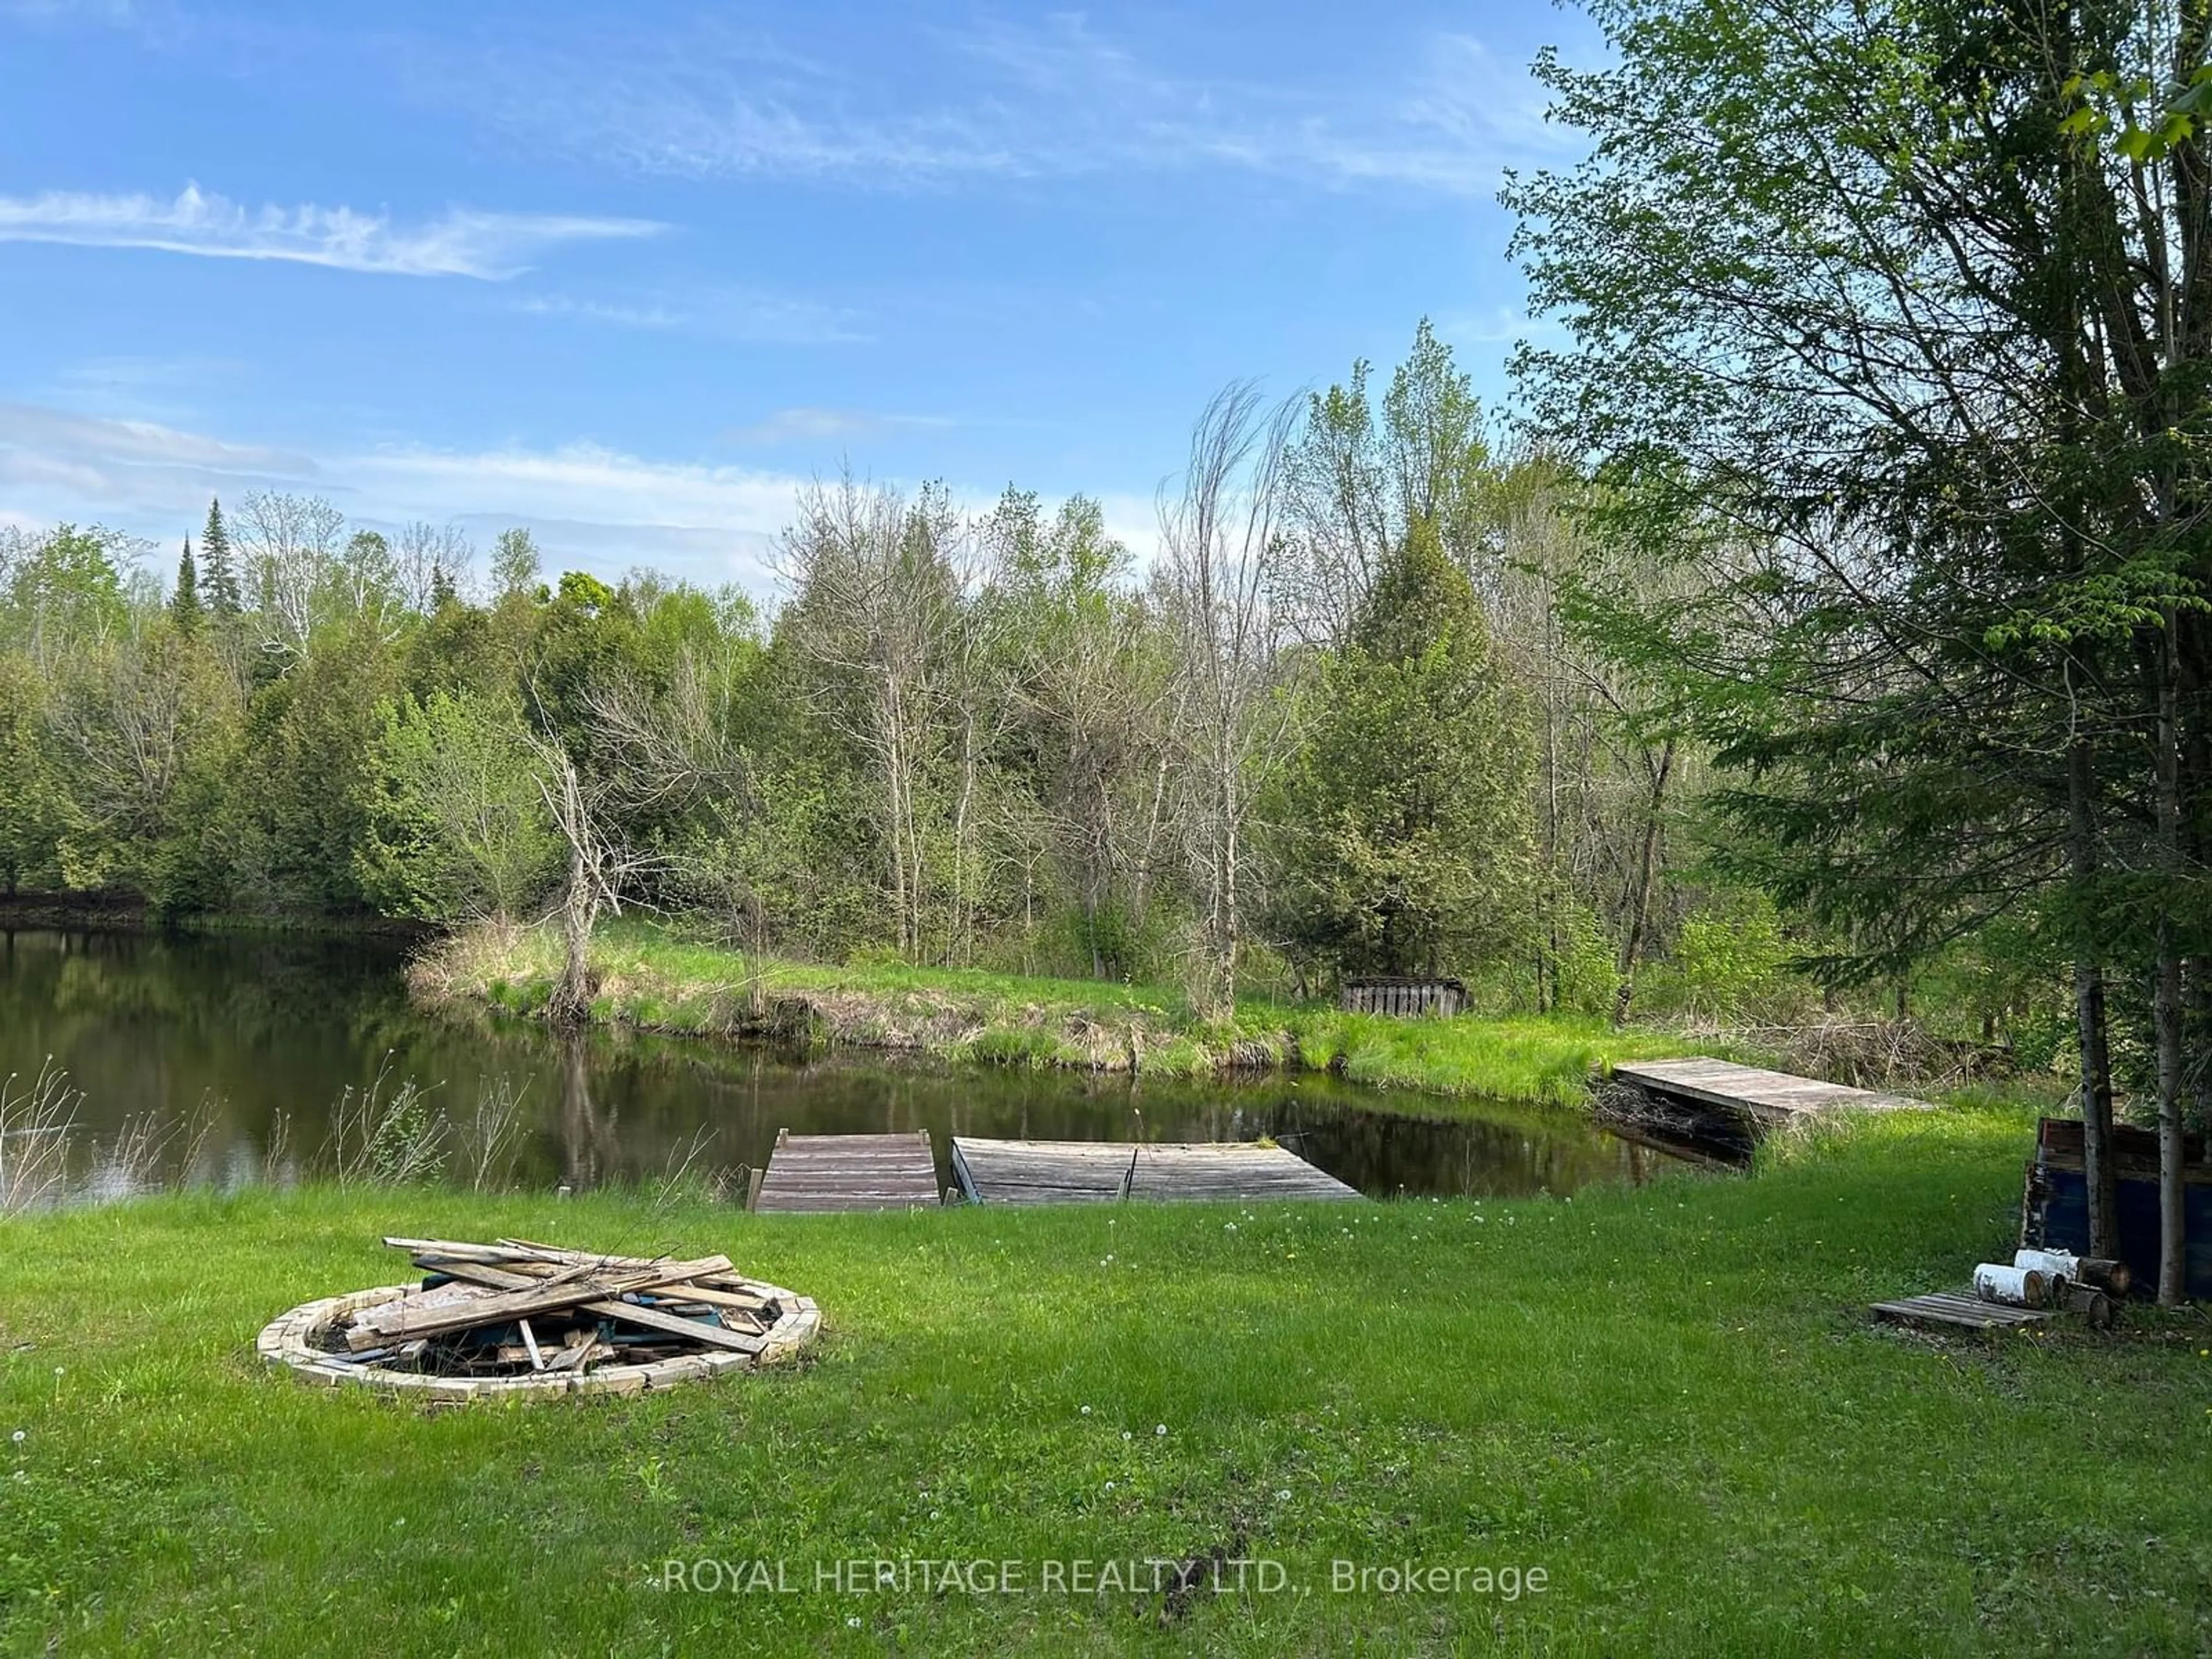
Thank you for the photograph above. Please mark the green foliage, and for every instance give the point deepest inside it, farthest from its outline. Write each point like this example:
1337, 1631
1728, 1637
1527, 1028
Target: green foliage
1584, 962
457, 824
66, 589
184, 598
1403, 821
515, 564
221, 574
310, 739
29, 820
1730, 953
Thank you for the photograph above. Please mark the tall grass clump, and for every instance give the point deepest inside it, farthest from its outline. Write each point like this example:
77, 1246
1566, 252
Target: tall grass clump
36, 1119
387, 1135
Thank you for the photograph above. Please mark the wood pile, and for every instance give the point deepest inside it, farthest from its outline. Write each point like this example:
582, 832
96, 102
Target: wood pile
515, 1308
2027, 1291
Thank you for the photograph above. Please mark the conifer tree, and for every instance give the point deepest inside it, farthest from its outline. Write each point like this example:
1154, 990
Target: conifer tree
215, 553
185, 602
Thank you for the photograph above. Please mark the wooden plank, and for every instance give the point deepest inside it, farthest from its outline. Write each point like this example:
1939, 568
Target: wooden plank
820, 1174
1089, 1171
1950, 1307
614, 1307
524, 1296
1770, 1095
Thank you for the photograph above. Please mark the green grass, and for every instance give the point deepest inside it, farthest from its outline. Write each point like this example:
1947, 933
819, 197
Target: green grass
655, 979
1670, 1399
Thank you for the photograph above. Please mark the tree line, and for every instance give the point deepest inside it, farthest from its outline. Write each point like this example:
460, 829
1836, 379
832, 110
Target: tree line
1339, 724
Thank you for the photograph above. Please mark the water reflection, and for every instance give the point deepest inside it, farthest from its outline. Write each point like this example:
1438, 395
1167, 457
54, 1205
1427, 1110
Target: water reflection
252, 1039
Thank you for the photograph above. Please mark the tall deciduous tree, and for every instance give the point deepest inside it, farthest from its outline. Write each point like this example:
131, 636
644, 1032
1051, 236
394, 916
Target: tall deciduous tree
877, 611
1219, 571
1084, 681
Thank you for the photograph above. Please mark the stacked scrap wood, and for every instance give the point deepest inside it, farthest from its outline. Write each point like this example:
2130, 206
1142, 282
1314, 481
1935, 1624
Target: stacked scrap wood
515, 1308
2036, 1285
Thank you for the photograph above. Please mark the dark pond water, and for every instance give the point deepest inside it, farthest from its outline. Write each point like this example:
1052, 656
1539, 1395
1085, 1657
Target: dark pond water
255, 1039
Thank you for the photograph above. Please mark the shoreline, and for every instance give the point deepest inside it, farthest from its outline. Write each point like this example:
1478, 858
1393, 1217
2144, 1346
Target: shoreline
130, 913
649, 979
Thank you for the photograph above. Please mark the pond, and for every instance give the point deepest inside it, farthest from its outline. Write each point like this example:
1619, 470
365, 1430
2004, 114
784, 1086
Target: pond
232, 1053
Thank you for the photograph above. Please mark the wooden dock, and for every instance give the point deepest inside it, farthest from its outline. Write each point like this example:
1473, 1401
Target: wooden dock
1104, 1171
1767, 1097
817, 1173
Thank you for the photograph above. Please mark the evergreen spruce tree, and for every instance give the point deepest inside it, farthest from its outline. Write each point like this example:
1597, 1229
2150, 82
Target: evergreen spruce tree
185, 602
214, 553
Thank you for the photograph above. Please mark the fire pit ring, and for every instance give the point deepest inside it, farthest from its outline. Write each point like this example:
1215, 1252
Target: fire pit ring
311, 1342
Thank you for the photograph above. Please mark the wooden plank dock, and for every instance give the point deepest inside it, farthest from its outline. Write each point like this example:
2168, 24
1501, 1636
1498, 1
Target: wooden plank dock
1767, 1096
1104, 1171
819, 1173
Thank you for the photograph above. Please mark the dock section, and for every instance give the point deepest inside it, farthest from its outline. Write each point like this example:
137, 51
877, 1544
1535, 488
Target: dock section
822, 1173
1104, 1171
1768, 1099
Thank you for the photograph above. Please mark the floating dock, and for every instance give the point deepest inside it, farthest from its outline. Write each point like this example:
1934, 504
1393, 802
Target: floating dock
822, 1173
1766, 1097
1104, 1171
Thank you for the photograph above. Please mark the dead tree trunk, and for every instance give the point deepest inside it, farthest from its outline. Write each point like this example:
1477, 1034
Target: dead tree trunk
2165, 1001
2089, 1006
1632, 947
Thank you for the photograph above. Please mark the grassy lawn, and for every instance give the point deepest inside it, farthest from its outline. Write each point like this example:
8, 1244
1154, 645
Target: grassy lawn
1668, 1398
656, 979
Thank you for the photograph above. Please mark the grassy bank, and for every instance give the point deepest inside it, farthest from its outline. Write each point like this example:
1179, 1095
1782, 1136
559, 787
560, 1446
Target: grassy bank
655, 980
1668, 1398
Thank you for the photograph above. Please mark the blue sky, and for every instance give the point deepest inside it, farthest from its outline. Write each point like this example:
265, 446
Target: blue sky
629, 274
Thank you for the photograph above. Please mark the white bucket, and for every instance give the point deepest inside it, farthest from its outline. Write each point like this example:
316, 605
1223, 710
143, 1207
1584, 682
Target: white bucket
2018, 1287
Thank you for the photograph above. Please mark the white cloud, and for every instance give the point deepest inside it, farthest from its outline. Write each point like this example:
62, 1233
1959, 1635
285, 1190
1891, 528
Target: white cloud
590, 507
138, 443
1052, 100
598, 311
821, 425
746, 315
461, 242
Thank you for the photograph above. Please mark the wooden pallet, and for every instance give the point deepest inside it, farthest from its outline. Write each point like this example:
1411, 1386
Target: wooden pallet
1104, 1171
1955, 1308
812, 1174
1770, 1096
